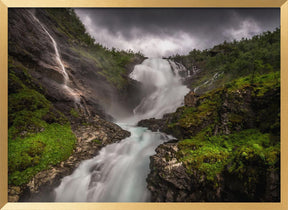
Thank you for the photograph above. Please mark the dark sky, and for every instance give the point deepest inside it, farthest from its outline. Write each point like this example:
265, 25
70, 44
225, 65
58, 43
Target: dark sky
163, 32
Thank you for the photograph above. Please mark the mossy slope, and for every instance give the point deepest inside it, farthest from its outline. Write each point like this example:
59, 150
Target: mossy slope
41, 113
228, 146
39, 135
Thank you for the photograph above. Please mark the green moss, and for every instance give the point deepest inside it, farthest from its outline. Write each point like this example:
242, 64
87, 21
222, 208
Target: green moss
27, 156
97, 141
207, 158
111, 64
192, 116
30, 112
74, 113
211, 155
27, 99
235, 118
215, 106
261, 83
39, 135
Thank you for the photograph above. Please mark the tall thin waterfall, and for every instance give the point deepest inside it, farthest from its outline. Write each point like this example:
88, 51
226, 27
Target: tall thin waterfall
119, 172
73, 93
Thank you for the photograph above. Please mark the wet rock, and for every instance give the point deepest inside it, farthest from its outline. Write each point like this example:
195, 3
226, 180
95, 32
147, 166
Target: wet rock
191, 99
153, 124
33, 49
13, 193
167, 180
91, 138
173, 179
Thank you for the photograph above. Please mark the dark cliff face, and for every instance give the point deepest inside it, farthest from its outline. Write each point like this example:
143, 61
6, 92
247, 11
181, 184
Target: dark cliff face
228, 148
50, 132
30, 45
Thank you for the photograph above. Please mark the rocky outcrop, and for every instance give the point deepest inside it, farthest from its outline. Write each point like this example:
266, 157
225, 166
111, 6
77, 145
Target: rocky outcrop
33, 67
222, 158
170, 181
224, 111
91, 138
31, 46
153, 124
191, 99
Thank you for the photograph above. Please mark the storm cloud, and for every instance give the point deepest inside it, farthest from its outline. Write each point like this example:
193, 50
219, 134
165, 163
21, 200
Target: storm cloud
164, 32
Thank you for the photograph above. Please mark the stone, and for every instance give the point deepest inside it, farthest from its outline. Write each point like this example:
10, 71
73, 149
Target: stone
14, 198
191, 99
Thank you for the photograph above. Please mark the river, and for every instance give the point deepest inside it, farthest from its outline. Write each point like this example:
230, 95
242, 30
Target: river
118, 173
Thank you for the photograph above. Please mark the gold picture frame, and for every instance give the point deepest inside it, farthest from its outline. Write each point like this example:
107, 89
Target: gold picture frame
5, 4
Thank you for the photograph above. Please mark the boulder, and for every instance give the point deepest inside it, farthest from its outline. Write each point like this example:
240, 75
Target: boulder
191, 99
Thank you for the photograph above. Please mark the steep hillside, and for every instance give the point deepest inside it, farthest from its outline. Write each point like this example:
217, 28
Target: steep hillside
61, 87
227, 145
227, 148
65, 89
212, 68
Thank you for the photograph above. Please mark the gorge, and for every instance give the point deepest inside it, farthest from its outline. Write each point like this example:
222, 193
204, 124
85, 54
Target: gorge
119, 172
92, 124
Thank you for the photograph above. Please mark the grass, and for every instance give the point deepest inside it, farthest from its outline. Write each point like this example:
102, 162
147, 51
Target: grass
39, 135
241, 150
29, 112
212, 154
111, 64
260, 83
30, 155
74, 113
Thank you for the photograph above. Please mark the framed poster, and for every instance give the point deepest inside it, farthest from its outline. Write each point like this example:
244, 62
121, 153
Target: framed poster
72, 100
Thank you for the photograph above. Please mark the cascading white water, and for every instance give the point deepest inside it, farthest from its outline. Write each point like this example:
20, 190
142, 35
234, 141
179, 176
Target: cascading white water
70, 91
168, 92
119, 172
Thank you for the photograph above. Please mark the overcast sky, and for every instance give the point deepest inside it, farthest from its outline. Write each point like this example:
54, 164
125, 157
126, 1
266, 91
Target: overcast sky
164, 32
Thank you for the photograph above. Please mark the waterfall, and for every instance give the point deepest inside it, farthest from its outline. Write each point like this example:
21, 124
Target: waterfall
73, 93
209, 81
119, 172
168, 92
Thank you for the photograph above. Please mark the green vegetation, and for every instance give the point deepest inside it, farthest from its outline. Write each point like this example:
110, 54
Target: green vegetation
236, 95
212, 155
228, 131
39, 136
247, 57
261, 83
110, 62
30, 155
97, 141
67, 22
74, 113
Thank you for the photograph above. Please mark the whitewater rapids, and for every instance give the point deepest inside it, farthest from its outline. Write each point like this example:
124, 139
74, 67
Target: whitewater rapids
119, 172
